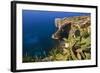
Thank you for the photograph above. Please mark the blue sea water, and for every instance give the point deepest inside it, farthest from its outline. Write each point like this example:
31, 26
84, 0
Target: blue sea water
38, 27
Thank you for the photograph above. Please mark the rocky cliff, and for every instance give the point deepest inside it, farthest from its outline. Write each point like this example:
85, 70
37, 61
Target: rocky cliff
80, 20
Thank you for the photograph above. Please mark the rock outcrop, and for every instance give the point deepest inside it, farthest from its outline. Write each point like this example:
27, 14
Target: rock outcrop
78, 36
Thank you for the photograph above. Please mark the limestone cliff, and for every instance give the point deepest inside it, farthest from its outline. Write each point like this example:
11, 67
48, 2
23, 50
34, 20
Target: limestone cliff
80, 20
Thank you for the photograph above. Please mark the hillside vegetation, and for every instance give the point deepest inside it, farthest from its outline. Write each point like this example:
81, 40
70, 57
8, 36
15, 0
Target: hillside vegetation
78, 43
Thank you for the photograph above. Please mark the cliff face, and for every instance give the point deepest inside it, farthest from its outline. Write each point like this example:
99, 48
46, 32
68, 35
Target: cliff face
77, 23
79, 39
79, 20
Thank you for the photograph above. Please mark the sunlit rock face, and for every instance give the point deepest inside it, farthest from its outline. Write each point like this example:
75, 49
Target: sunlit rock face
65, 25
70, 26
63, 29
